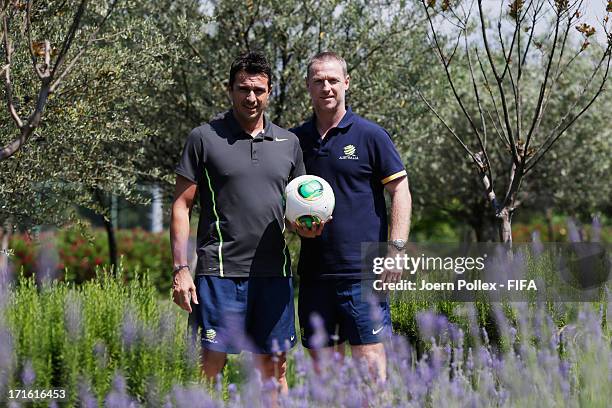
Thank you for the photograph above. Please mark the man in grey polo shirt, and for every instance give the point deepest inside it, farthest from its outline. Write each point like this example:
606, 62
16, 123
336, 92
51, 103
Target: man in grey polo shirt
238, 165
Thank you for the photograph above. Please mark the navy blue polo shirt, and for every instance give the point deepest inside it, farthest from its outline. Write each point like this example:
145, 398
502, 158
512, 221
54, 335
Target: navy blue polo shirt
241, 181
357, 158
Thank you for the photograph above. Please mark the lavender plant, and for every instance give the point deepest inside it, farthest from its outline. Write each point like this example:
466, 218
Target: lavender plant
115, 344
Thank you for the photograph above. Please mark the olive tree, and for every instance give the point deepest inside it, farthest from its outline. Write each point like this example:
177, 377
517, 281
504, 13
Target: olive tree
73, 74
530, 47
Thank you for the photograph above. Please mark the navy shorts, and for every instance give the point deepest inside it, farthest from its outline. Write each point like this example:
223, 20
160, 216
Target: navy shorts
251, 314
346, 314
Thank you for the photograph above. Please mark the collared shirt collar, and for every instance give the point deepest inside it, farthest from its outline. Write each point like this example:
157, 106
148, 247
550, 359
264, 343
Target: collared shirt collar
346, 121
237, 130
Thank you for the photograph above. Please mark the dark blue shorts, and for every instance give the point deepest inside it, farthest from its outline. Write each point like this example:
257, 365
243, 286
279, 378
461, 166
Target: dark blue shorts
251, 314
346, 315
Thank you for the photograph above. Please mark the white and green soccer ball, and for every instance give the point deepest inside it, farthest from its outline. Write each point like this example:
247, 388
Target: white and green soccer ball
309, 199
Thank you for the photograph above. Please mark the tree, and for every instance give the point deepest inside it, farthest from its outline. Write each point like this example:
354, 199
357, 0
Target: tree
89, 144
520, 130
49, 56
380, 41
574, 180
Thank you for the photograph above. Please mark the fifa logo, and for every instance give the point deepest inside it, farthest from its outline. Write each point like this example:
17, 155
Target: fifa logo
349, 153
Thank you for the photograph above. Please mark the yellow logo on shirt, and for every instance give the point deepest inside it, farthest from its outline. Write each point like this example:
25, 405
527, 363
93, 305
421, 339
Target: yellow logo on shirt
210, 335
349, 153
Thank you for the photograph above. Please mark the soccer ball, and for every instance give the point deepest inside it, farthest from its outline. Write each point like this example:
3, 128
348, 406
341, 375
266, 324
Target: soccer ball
309, 199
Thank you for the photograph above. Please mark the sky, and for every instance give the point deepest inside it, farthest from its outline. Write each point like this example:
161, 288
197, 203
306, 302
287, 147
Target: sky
592, 8
594, 12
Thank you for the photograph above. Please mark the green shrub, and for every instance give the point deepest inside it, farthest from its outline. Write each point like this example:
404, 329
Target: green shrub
74, 335
73, 255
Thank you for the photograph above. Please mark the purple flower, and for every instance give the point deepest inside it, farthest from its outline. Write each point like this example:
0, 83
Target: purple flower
194, 397
512, 335
596, 230
233, 333
86, 397
536, 244
6, 349
485, 336
6, 276
118, 396
100, 353
426, 322
166, 325
28, 375
456, 390
275, 349
319, 338
456, 334
573, 235
46, 262
375, 310
469, 364
129, 329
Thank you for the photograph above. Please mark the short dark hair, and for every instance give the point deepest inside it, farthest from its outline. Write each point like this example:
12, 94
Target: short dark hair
253, 63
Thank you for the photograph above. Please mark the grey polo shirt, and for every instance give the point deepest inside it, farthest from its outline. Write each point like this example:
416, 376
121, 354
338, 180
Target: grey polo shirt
241, 180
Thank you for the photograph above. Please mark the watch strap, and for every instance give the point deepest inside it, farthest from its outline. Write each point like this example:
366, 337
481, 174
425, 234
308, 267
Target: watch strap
179, 267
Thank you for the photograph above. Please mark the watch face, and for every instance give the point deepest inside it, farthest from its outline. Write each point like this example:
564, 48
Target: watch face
398, 243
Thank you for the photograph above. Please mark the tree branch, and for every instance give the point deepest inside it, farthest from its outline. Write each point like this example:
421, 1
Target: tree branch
487, 164
448, 75
452, 132
90, 40
507, 57
486, 181
536, 11
552, 138
8, 87
504, 138
76, 20
40, 74
538, 114
500, 86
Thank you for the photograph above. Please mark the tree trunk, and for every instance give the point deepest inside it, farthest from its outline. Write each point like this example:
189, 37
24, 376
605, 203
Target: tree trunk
5, 235
109, 226
157, 224
505, 225
484, 223
112, 243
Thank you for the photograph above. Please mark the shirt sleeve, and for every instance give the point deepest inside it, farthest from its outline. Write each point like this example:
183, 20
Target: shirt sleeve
191, 164
298, 168
386, 162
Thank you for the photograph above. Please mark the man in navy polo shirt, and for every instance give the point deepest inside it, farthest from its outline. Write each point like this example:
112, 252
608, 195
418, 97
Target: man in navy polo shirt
359, 160
238, 165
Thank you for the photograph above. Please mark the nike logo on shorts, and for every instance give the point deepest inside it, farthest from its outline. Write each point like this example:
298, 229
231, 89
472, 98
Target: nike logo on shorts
375, 332
292, 338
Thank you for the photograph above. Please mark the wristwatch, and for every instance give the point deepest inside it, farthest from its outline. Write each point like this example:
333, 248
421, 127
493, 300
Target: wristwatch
398, 244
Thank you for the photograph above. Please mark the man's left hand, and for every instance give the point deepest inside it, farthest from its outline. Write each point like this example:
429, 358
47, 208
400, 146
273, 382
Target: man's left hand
314, 231
392, 275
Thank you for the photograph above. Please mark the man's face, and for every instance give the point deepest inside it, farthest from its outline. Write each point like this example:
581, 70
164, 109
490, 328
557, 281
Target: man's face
249, 95
327, 86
